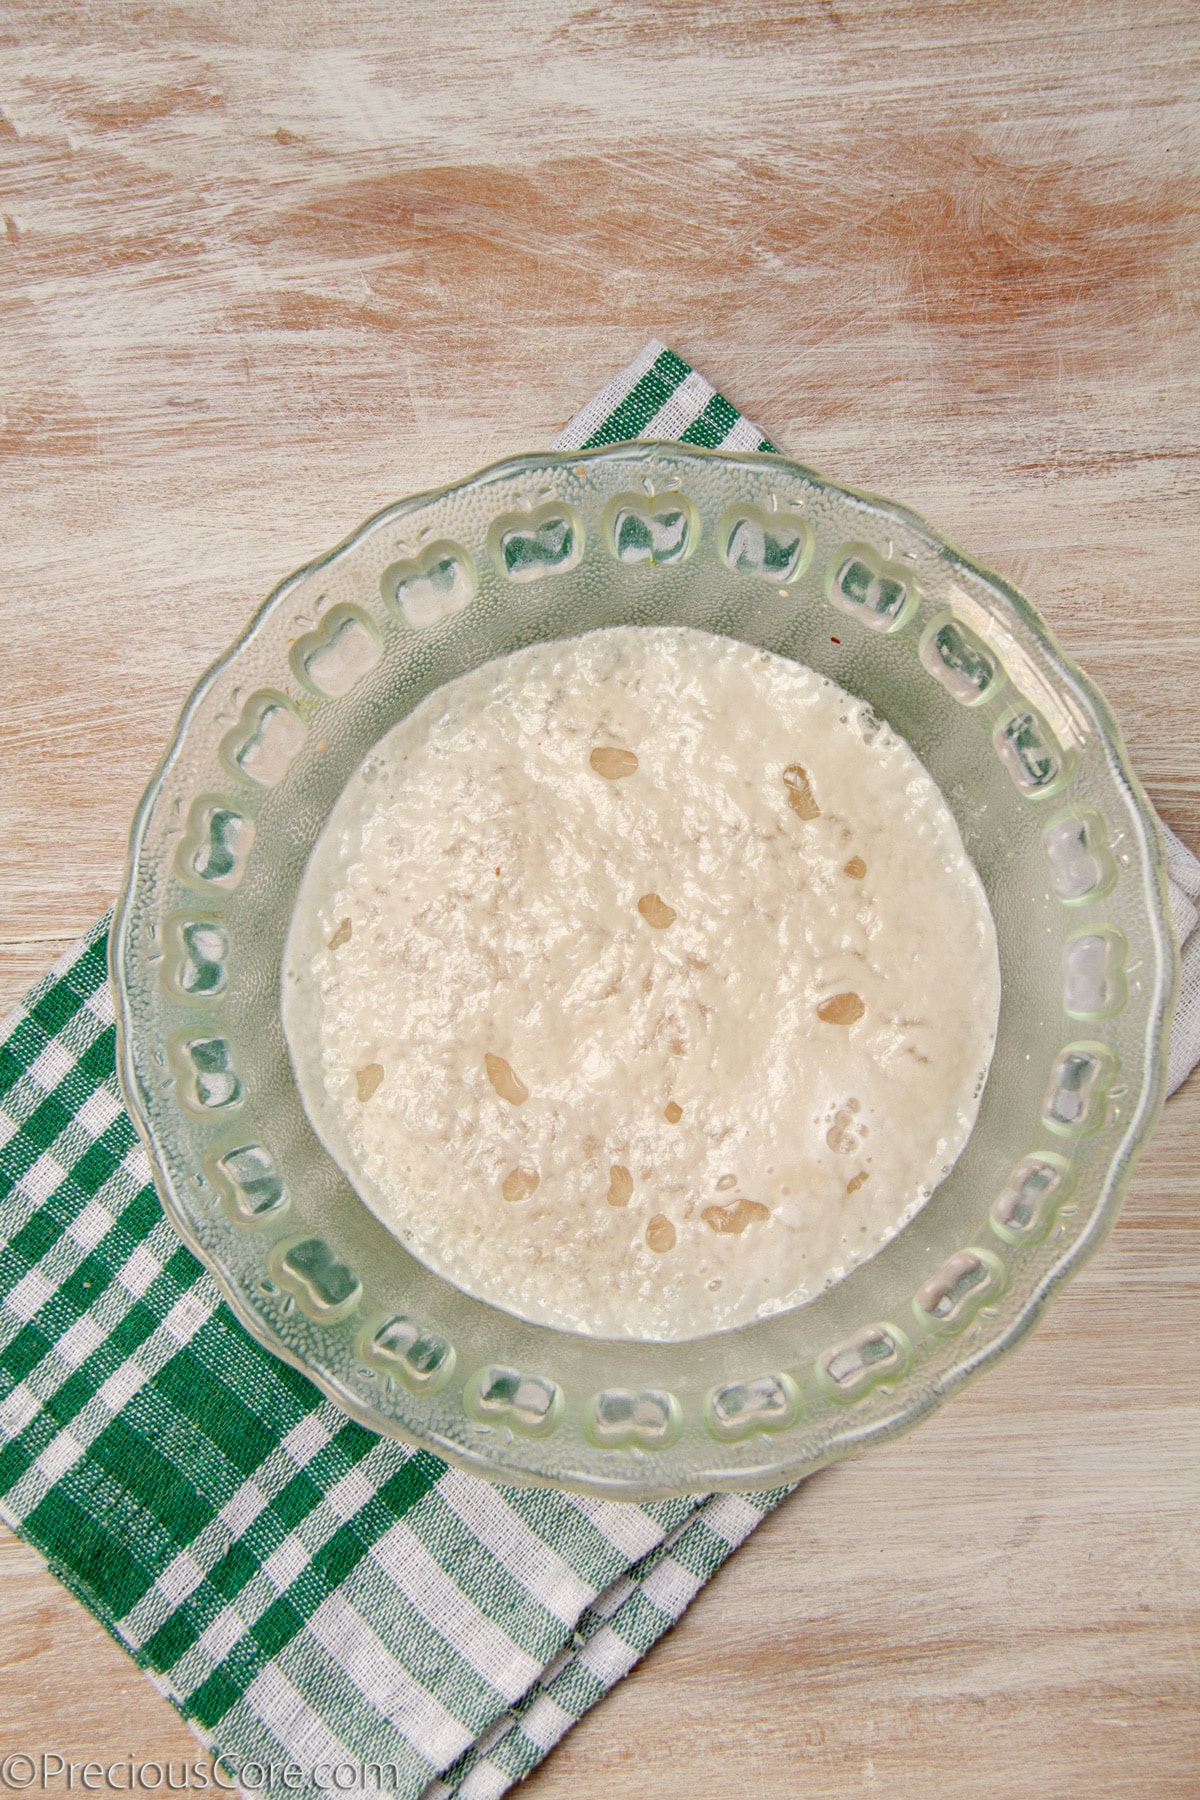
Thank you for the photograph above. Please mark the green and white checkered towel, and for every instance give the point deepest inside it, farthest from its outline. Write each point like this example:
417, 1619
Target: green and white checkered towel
328, 1610
315, 1600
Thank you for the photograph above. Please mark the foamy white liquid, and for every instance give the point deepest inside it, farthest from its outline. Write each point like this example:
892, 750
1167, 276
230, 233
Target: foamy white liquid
480, 883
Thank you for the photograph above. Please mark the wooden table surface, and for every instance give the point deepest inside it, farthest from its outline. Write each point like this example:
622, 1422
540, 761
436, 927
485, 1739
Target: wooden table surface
265, 268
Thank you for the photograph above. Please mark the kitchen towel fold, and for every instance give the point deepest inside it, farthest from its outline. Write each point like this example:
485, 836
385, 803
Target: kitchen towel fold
328, 1610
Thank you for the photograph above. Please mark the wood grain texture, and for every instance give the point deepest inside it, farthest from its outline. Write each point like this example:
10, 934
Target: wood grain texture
265, 268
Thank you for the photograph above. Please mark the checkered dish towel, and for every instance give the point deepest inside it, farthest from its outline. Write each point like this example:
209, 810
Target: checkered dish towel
326, 1608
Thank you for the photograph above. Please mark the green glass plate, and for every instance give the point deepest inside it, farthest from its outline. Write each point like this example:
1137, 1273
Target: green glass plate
759, 549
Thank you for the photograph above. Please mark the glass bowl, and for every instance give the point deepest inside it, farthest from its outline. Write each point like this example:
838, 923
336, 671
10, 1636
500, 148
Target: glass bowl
548, 546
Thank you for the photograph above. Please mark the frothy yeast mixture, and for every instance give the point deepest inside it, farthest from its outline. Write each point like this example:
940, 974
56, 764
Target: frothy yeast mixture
641, 984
